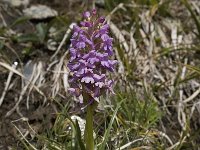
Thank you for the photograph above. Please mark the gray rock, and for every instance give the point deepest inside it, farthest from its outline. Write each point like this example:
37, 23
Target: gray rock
40, 12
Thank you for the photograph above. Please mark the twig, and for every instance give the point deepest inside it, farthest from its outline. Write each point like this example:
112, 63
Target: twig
37, 73
24, 89
195, 94
23, 136
56, 76
63, 40
7, 83
181, 114
7, 66
130, 143
176, 144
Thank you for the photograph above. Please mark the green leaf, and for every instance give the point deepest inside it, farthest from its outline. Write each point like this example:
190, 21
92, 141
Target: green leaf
107, 133
42, 30
196, 69
20, 20
78, 136
32, 37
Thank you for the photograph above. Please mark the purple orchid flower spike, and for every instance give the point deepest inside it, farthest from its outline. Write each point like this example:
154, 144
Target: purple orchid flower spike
91, 51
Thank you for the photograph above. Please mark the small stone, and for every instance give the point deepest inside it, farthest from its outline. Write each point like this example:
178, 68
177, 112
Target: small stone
51, 45
100, 2
17, 3
40, 12
28, 69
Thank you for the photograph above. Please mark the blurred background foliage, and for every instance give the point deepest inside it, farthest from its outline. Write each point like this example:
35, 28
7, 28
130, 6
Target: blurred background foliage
156, 105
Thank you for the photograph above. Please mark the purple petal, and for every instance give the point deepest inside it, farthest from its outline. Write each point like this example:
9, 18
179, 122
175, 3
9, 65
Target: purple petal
109, 83
99, 77
92, 52
90, 42
74, 42
87, 79
82, 38
75, 66
75, 34
105, 63
104, 37
72, 51
69, 65
80, 72
76, 28
72, 58
96, 35
99, 55
104, 29
86, 70
71, 90
83, 62
74, 91
109, 86
112, 62
93, 60
86, 56
91, 65
86, 14
80, 45
86, 24
94, 11
102, 57
101, 20
110, 51
99, 84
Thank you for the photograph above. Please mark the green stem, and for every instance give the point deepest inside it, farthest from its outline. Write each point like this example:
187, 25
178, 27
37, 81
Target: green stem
89, 139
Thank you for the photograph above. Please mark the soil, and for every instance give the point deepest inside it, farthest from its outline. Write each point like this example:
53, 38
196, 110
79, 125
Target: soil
39, 116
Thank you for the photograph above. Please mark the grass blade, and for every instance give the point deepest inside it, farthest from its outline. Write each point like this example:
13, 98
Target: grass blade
196, 20
107, 133
78, 136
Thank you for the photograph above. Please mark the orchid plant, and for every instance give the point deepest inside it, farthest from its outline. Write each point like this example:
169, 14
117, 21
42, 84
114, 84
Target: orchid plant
90, 60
